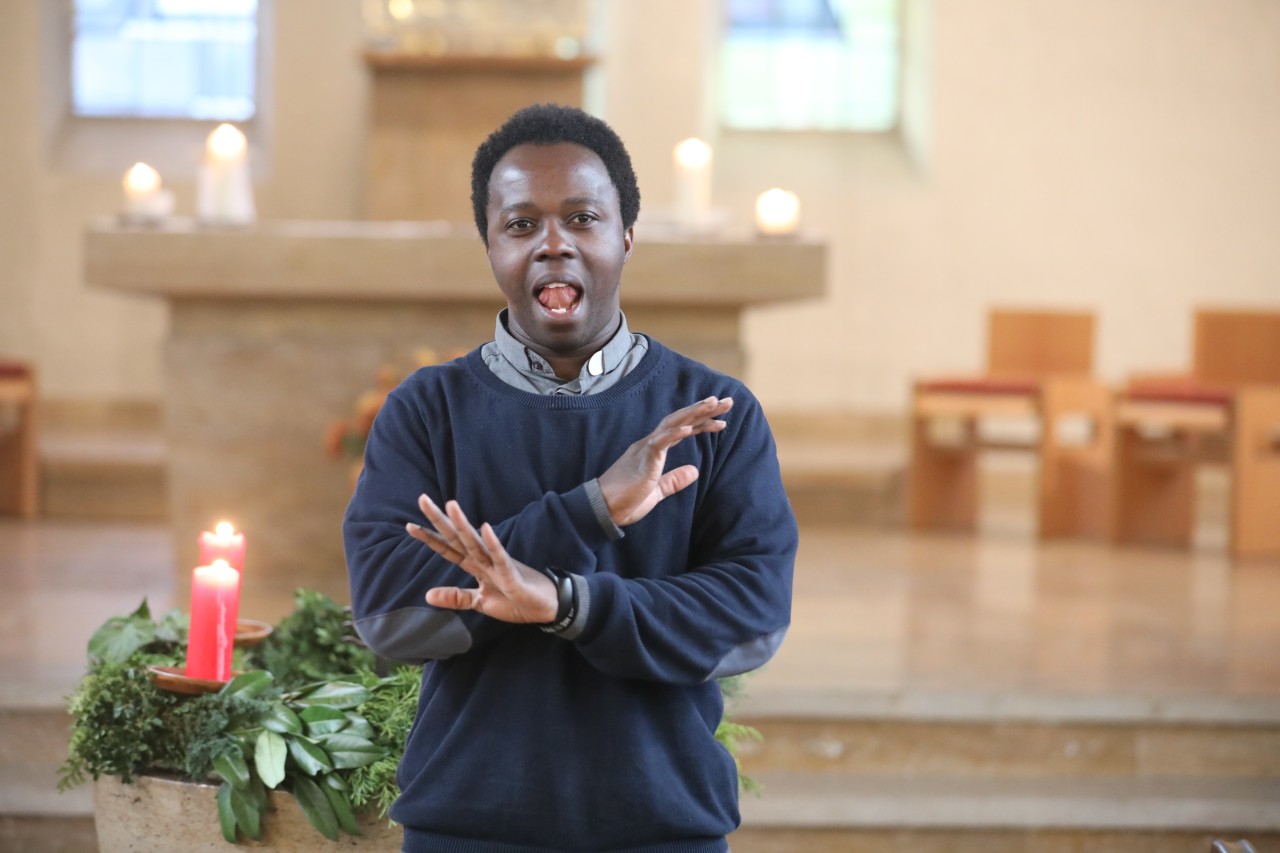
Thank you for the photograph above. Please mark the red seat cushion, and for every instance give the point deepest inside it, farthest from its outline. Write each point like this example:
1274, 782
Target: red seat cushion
1179, 391
1012, 385
14, 370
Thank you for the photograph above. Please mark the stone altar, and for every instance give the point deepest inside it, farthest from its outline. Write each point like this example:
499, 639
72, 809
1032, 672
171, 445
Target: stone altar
277, 328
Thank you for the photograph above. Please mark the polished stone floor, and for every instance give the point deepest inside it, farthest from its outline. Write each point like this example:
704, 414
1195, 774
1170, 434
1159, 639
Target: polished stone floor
879, 615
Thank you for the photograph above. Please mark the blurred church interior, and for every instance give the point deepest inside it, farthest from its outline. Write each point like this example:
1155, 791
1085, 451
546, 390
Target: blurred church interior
1019, 345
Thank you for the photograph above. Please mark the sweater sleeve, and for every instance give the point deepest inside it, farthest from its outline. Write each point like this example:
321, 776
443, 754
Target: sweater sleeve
727, 611
390, 572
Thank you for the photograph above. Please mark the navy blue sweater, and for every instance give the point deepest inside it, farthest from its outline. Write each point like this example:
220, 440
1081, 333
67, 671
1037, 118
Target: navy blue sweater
526, 742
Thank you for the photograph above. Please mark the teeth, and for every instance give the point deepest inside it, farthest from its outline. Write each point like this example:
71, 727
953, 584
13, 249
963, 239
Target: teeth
559, 310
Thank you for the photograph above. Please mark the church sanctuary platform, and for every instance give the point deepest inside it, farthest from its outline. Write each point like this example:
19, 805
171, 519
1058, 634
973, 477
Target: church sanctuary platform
936, 692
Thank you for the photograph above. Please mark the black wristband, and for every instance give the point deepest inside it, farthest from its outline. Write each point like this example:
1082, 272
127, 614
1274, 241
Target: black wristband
566, 601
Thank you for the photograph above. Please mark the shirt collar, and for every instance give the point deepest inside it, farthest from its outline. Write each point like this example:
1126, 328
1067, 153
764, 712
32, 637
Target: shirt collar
529, 363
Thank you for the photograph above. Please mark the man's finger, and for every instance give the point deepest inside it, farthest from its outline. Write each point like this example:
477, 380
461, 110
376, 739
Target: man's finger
453, 598
677, 479
435, 542
469, 539
438, 519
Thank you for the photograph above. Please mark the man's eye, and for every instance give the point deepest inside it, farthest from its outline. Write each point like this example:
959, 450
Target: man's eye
519, 224
582, 219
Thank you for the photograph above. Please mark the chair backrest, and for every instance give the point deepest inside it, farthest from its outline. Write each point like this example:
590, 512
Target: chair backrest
1234, 346
1039, 343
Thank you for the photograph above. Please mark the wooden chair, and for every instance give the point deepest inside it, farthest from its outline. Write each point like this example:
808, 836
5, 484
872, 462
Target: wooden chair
19, 471
1039, 366
1226, 411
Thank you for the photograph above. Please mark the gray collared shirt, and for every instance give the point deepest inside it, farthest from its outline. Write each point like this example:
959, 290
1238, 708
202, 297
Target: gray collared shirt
521, 367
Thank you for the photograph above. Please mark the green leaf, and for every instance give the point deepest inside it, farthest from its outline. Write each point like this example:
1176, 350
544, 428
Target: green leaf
349, 751
245, 808
268, 756
283, 720
226, 816
311, 758
341, 808
173, 626
248, 684
359, 727
315, 805
323, 719
232, 767
338, 694
121, 636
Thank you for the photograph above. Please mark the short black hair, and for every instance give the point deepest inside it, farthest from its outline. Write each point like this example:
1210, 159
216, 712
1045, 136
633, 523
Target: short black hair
548, 124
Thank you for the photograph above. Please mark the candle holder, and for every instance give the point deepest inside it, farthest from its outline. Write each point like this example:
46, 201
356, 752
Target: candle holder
175, 680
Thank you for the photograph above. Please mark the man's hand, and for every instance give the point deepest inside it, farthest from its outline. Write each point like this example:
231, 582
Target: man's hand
509, 591
635, 483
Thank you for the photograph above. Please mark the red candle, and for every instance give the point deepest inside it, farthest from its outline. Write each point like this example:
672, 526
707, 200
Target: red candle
222, 544
215, 600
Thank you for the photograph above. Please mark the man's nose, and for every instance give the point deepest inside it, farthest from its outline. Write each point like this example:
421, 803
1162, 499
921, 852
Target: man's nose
557, 242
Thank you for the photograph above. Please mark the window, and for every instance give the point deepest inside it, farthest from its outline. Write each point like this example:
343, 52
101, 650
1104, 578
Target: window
165, 59
811, 65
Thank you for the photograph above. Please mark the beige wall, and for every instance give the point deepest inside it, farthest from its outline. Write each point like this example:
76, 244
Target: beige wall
1112, 154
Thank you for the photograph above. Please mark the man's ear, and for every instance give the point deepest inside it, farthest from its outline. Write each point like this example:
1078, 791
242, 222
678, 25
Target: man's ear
628, 238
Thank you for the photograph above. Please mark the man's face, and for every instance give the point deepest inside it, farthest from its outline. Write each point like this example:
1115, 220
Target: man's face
557, 246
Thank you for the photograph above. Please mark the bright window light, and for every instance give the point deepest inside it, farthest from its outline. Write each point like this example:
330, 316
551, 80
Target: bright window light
811, 65
165, 58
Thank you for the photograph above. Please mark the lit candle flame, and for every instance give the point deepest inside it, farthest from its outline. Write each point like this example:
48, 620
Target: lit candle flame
401, 10
226, 143
693, 153
777, 212
141, 179
224, 530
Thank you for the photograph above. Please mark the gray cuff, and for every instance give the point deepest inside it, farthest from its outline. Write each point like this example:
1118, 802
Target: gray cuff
596, 498
583, 594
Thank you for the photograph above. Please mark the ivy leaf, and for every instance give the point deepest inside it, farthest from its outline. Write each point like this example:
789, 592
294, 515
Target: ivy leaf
226, 817
311, 758
248, 684
337, 694
245, 808
315, 805
232, 767
173, 626
341, 807
283, 720
121, 636
349, 751
323, 719
268, 756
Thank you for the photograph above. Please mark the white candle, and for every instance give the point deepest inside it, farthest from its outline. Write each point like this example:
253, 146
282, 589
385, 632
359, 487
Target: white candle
693, 184
144, 199
223, 192
777, 213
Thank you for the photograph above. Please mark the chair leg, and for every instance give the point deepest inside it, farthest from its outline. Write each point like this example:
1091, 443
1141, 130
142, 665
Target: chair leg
19, 467
1153, 499
1074, 480
942, 485
1255, 475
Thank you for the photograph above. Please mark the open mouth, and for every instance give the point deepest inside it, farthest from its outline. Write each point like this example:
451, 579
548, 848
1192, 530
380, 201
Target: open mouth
559, 298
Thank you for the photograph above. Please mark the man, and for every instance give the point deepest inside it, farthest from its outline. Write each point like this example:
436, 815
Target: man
606, 535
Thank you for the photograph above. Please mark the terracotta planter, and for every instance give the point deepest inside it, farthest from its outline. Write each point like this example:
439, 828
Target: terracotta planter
161, 815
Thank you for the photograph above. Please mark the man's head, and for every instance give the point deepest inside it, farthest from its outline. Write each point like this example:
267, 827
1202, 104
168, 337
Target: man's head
557, 229
546, 124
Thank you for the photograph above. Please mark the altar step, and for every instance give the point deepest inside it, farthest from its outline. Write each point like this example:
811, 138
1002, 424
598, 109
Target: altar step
958, 773
1036, 775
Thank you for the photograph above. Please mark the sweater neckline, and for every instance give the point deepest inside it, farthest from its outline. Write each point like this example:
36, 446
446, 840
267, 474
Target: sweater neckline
650, 365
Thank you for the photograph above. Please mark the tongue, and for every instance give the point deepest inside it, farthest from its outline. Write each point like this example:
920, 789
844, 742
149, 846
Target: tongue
557, 297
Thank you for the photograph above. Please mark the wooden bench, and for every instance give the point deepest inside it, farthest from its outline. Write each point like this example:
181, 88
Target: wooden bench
19, 469
1225, 411
1039, 368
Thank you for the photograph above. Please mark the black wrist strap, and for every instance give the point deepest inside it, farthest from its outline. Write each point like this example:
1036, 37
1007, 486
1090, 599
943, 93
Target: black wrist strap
566, 600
